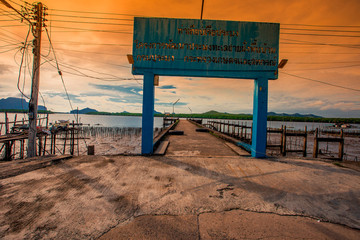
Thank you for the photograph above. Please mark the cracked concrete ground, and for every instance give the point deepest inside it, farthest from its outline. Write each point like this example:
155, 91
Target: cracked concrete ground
86, 197
182, 197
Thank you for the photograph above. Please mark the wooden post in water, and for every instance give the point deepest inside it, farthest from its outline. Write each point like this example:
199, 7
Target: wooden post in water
40, 145
45, 138
6, 123
242, 130
305, 142
7, 144
51, 142
72, 139
91, 150
316, 144
65, 138
341, 145
54, 143
22, 149
284, 141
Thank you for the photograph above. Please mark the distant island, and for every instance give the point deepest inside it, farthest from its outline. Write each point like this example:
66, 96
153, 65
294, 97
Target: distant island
84, 111
12, 104
284, 117
21, 105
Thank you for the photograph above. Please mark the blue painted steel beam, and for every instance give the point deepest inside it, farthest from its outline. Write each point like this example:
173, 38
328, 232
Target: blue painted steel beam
148, 114
258, 148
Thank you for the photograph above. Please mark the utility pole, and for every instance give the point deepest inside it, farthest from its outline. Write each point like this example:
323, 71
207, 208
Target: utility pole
33, 104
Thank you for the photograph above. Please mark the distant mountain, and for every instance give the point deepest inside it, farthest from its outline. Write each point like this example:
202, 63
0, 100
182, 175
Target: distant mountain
212, 112
293, 115
83, 111
17, 104
156, 112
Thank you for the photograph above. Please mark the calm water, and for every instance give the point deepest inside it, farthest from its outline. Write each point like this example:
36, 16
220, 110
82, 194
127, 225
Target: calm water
289, 125
127, 121
93, 120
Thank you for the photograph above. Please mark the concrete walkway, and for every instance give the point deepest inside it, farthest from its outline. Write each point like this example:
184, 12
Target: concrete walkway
194, 143
182, 196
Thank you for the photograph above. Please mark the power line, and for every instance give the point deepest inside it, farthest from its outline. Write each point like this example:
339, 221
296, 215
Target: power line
105, 13
21, 63
15, 3
325, 44
323, 62
9, 50
327, 68
312, 25
93, 30
319, 30
81, 74
9, 20
59, 71
103, 23
101, 53
19, 13
92, 17
92, 60
319, 35
17, 35
322, 82
88, 43
332, 53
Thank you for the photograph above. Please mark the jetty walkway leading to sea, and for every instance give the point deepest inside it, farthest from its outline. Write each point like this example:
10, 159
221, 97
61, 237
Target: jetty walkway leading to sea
194, 143
202, 188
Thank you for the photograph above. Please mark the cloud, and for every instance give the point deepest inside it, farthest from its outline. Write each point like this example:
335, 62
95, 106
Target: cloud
73, 98
167, 87
4, 68
132, 90
170, 104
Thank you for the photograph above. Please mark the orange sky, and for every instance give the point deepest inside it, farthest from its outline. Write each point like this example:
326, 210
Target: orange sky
76, 51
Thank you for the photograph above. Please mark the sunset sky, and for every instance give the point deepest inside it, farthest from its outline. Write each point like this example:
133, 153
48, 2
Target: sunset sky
320, 38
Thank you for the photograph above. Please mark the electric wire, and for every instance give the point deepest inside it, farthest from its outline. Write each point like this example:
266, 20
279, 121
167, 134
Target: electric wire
324, 44
81, 74
91, 60
319, 35
21, 63
20, 38
81, 22
59, 71
327, 68
9, 50
319, 30
322, 82
93, 30
87, 12
91, 17
312, 25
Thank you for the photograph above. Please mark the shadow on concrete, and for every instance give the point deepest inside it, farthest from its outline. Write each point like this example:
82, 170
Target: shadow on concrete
350, 199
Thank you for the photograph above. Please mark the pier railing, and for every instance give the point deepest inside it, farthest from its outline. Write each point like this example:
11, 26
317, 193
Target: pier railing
282, 141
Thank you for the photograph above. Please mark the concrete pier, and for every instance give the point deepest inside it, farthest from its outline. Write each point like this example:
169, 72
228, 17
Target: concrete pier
199, 190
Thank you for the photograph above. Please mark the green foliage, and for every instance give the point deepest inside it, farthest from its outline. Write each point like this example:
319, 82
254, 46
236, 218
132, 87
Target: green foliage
22, 111
217, 115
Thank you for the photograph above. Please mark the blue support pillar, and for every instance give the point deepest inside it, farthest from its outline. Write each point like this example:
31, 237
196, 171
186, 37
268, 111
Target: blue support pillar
148, 114
258, 148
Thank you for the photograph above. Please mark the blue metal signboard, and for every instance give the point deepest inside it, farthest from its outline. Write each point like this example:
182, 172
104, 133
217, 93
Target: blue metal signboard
206, 48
